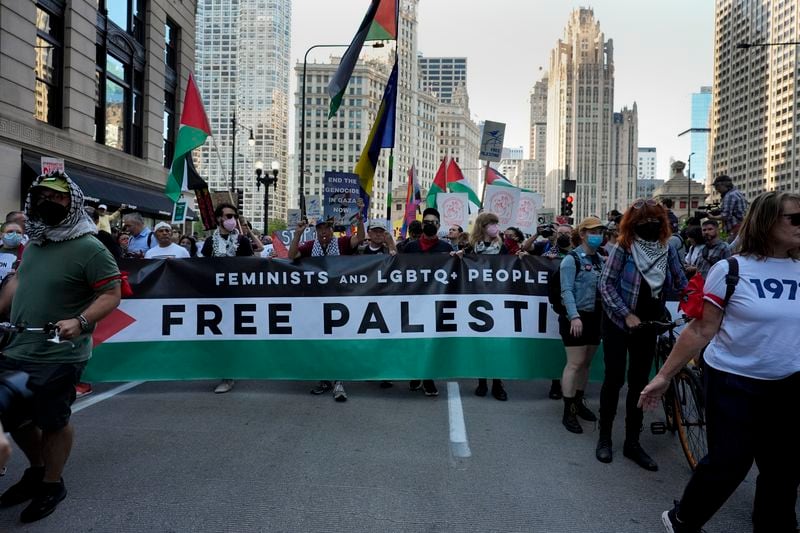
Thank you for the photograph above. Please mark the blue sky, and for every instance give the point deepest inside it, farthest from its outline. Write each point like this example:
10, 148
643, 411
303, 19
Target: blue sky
663, 52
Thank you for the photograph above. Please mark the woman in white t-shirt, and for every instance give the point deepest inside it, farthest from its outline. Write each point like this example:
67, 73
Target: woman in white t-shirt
752, 374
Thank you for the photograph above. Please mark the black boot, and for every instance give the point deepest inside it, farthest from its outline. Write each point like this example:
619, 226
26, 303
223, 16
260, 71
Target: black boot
498, 391
583, 410
482, 388
555, 390
633, 451
604, 452
570, 419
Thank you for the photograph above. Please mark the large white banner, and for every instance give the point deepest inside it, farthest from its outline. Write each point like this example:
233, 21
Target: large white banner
503, 202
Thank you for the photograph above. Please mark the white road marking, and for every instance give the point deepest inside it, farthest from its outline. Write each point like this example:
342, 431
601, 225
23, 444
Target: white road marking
92, 400
458, 430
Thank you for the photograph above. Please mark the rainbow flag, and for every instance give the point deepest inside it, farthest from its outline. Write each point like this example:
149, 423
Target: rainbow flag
413, 199
380, 136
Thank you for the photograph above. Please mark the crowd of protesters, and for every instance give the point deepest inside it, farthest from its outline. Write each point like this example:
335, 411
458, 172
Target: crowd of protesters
612, 276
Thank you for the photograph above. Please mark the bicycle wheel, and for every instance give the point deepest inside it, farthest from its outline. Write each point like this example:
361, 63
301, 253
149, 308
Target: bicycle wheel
690, 416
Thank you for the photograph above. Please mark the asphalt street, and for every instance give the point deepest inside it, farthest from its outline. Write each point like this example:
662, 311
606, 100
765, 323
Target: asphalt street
174, 457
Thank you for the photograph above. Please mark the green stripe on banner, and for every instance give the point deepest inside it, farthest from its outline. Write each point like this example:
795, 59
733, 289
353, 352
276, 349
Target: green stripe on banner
354, 360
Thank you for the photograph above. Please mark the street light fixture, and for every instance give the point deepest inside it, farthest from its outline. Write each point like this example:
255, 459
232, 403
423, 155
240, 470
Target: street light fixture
267, 180
251, 141
689, 195
302, 200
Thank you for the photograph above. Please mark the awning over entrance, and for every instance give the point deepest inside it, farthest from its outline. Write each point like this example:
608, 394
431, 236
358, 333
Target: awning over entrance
100, 187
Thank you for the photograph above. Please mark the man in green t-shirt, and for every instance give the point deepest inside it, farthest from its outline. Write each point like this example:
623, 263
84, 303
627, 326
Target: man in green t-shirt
68, 278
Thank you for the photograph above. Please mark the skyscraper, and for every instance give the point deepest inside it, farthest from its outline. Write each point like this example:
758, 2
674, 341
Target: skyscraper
243, 72
647, 163
580, 101
538, 124
754, 115
624, 161
701, 110
458, 136
443, 75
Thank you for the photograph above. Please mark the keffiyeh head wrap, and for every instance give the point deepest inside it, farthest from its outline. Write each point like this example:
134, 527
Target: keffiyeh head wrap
76, 224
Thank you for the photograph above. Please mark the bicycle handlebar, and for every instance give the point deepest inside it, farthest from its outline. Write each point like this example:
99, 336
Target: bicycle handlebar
664, 326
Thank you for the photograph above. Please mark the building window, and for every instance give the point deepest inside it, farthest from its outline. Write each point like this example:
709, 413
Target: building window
171, 41
119, 77
48, 64
127, 15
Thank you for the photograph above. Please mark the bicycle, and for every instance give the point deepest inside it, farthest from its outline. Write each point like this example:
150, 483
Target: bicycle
684, 409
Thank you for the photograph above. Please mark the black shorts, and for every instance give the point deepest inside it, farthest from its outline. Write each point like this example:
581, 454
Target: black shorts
53, 388
591, 329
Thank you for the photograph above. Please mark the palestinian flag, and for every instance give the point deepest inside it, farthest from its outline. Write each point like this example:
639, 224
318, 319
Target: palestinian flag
493, 177
456, 182
338, 84
384, 27
193, 131
439, 184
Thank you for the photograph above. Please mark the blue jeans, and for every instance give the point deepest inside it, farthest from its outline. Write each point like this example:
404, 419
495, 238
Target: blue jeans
748, 420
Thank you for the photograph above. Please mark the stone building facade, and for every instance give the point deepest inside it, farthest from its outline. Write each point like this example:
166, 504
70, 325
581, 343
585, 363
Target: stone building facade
99, 84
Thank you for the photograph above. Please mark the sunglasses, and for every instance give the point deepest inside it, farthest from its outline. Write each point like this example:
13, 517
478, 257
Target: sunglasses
641, 203
230, 216
794, 219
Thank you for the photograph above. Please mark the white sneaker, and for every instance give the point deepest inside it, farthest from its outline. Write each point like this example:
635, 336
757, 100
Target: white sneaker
224, 386
338, 392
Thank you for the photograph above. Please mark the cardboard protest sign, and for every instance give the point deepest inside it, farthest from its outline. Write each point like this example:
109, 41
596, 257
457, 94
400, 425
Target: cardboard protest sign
454, 209
503, 202
340, 192
527, 212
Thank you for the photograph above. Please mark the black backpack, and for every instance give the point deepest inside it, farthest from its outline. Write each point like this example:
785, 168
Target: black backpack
554, 283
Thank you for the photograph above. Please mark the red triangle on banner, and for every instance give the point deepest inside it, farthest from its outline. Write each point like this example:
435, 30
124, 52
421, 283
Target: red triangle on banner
111, 325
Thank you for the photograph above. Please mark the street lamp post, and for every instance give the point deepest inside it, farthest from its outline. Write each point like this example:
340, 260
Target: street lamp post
266, 180
302, 199
689, 195
250, 141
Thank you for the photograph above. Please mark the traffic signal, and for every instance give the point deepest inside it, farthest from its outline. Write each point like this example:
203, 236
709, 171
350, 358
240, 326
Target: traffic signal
568, 201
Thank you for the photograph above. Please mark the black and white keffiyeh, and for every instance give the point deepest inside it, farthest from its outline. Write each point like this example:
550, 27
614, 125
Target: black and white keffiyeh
493, 248
77, 223
221, 247
331, 249
650, 258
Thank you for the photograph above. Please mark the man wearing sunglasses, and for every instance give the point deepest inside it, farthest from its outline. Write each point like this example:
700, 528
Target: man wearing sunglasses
734, 206
226, 241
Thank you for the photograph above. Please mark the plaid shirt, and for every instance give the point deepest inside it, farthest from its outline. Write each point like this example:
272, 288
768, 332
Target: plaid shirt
620, 282
733, 208
710, 255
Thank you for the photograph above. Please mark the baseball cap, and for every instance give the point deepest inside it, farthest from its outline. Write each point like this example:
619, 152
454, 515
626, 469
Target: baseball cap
324, 222
162, 225
102, 206
57, 183
376, 224
590, 223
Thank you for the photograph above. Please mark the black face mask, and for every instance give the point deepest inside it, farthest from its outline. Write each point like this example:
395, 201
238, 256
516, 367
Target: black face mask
563, 241
429, 229
649, 231
51, 213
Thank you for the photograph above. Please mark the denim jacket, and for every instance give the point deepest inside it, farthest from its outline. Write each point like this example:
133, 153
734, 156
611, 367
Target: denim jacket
580, 293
